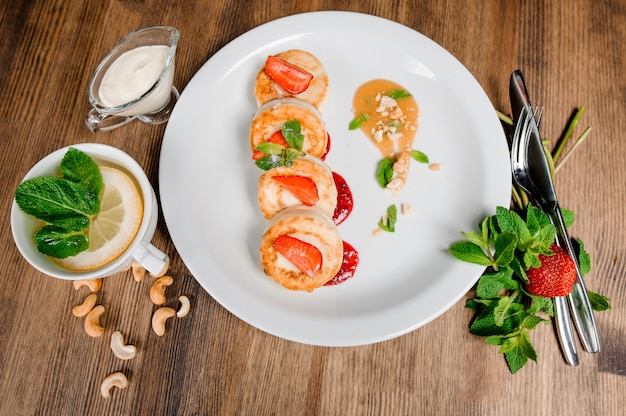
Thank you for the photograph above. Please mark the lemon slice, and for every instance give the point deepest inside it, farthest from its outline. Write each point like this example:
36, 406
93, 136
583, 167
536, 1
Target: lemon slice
115, 227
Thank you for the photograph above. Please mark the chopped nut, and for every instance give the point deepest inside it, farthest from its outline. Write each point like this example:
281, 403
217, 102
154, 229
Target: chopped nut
434, 166
406, 209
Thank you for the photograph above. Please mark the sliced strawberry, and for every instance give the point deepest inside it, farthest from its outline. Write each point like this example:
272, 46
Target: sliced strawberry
555, 276
301, 187
278, 138
303, 255
291, 78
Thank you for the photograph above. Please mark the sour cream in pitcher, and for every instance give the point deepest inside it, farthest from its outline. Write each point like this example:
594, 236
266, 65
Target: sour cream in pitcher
132, 74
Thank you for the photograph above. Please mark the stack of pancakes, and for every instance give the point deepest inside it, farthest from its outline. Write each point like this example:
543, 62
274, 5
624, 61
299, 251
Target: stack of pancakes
286, 214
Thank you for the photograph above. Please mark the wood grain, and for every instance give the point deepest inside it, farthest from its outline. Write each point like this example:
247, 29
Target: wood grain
212, 363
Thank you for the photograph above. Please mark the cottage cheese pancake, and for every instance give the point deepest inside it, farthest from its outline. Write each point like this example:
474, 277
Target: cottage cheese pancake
271, 116
311, 226
266, 89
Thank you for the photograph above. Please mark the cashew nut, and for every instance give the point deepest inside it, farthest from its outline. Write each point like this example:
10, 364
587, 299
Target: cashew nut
165, 269
117, 379
87, 305
92, 322
93, 284
139, 272
184, 306
157, 291
120, 349
159, 318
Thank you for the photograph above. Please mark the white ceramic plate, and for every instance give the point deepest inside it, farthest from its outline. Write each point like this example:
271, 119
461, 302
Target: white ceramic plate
208, 181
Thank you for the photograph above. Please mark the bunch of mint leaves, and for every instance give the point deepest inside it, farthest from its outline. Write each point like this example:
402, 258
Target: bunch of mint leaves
508, 244
66, 205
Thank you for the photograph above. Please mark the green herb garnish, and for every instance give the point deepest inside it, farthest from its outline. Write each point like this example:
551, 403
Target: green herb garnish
398, 94
358, 121
389, 222
277, 155
419, 156
385, 171
65, 204
508, 244
292, 132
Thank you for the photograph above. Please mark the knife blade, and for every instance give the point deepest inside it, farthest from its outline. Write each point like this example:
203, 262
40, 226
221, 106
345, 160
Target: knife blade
544, 196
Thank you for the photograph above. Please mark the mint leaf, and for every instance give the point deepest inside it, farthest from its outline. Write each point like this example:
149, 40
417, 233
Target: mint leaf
398, 94
469, 252
505, 245
358, 121
269, 148
276, 155
389, 224
292, 132
568, 217
507, 308
517, 351
52, 199
510, 221
491, 284
385, 172
80, 168
584, 261
479, 240
532, 321
598, 302
484, 323
541, 304
66, 204
59, 242
419, 156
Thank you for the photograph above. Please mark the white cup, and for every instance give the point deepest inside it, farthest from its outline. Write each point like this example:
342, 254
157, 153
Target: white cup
25, 226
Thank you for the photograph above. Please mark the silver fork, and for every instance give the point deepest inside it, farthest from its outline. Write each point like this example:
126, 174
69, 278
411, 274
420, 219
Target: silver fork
522, 139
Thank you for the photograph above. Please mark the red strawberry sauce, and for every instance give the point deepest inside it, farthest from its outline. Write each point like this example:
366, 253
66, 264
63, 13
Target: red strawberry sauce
323, 157
344, 199
348, 265
342, 211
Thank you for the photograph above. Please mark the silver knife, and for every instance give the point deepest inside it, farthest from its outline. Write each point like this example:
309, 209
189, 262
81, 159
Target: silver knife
545, 198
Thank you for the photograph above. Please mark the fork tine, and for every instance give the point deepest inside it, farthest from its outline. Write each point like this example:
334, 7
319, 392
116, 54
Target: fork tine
538, 118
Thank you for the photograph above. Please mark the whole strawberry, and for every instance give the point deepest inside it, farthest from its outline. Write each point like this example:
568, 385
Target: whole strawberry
555, 277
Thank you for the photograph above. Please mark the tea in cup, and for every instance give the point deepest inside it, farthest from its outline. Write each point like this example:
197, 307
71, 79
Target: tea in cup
140, 248
135, 80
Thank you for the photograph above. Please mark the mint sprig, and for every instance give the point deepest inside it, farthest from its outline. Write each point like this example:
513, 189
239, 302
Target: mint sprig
505, 313
388, 223
277, 155
508, 245
67, 204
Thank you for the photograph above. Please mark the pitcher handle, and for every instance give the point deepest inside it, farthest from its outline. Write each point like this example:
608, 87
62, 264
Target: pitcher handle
97, 122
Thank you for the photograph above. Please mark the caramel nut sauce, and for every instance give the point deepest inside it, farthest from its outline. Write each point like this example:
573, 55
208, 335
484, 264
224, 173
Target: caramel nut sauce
367, 100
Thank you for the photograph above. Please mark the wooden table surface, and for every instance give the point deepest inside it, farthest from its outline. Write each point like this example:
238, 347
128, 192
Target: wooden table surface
211, 362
